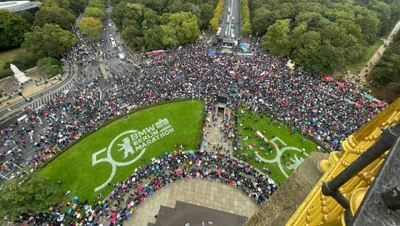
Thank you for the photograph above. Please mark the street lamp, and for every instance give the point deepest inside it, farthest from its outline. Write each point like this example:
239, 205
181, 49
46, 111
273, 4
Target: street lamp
20, 93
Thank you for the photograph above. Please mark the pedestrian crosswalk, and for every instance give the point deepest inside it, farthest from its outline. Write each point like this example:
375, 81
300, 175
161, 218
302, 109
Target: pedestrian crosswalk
38, 102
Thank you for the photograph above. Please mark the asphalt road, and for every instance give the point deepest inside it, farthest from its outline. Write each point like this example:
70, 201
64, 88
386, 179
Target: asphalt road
231, 10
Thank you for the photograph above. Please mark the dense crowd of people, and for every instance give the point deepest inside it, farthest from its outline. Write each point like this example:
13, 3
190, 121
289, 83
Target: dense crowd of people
146, 181
262, 83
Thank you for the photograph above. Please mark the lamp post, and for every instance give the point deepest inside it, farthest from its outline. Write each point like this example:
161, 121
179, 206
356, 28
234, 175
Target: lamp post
20, 93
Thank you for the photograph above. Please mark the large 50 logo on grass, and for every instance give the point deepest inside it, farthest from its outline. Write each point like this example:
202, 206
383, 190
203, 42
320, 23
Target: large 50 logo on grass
129, 146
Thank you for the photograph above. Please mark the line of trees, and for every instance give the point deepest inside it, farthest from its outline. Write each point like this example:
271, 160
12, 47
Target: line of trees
322, 35
144, 29
216, 20
245, 16
91, 24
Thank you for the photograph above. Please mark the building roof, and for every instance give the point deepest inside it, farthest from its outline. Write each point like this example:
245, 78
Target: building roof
193, 215
17, 6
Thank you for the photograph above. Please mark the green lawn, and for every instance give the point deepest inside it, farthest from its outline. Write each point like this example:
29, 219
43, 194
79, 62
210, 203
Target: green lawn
8, 55
74, 167
261, 124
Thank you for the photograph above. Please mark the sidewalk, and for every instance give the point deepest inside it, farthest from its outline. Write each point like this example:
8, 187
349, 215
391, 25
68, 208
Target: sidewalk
29, 90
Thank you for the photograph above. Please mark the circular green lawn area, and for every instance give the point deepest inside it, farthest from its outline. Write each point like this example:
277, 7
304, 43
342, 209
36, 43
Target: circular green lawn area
124, 145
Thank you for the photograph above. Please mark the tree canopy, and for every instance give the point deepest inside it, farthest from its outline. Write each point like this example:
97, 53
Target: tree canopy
143, 29
12, 29
346, 29
36, 194
91, 27
50, 40
54, 15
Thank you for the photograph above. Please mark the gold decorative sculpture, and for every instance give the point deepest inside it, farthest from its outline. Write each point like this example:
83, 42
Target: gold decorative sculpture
318, 209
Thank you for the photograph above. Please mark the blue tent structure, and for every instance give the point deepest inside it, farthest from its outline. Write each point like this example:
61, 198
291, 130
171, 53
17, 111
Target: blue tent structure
244, 47
212, 52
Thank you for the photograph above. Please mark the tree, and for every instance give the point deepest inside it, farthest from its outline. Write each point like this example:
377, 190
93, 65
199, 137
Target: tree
91, 27
12, 29
277, 39
326, 59
384, 12
95, 13
154, 38
262, 19
185, 26
51, 70
369, 23
34, 195
77, 6
97, 4
129, 34
305, 47
150, 19
54, 15
47, 61
55, 3
206, 15
28, 17
49, 40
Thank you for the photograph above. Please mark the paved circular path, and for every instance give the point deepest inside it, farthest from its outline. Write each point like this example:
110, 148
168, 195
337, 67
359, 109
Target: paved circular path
201, 192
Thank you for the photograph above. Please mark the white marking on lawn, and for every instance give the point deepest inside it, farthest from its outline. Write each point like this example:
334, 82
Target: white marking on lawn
133, 142
279, 153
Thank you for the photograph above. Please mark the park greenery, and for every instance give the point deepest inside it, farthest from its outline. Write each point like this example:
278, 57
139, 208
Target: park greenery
78, 174
37, 193
144, 29
387, 70
13, 28
322, 36
91, 24
47, 33
50, 66
216, 20
245, 17
248, 123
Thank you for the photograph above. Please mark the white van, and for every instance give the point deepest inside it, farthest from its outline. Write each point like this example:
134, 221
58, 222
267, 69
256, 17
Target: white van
113, 44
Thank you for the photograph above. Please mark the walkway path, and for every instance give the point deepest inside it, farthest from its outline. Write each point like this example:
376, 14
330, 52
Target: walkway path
375, 58
201, 192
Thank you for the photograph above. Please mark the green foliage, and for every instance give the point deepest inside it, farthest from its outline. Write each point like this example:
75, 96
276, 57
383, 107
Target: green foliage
47, 61
12, 29
91, 27
245, 17
4, 73
387, 70
28, 17
215, 21
36, 194
277, 40
51, 70
97, 4
95, 13
348, 28
325, 60
54, 15
77, 6
262, 19
50, 40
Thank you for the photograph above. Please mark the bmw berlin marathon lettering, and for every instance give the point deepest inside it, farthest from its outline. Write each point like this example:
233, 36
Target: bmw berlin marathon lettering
130, 146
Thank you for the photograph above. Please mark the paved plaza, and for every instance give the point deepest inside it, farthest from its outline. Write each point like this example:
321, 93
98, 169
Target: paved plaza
201, 192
